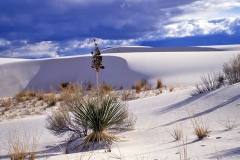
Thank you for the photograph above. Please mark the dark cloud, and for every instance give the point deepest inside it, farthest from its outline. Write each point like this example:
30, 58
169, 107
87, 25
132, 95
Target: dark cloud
58, 20
62, 27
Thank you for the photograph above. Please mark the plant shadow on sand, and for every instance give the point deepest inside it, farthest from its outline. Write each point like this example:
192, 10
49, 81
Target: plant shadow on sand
230, 100
49, 151
180, 104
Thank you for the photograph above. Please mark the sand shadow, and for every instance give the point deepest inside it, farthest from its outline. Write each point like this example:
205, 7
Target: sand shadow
231, 100
180, 104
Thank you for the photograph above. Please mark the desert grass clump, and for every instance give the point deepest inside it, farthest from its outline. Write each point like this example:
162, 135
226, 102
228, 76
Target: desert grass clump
21, 146
183, 150
6, 103
138, 87
159, 83
51, 99
30, 94
229, 124
171, 89
201, 128
177, 133
105, 88
40, 95
20, 97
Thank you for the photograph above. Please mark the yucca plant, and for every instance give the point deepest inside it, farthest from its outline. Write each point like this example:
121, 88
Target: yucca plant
99, 116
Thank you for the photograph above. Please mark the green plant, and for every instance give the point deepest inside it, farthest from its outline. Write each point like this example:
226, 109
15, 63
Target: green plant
99, 118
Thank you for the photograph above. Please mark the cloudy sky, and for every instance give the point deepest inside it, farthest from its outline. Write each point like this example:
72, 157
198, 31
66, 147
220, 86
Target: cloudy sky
52, 28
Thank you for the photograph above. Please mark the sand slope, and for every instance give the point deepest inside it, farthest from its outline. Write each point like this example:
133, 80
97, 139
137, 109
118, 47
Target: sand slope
151, 139
174, 68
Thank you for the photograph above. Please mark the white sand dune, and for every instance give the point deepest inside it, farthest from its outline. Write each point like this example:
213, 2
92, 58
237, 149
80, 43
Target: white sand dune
157, 116
122, 69
151, 139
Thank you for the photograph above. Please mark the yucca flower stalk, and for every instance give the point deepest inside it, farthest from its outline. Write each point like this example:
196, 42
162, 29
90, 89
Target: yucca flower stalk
100, 116
97, 63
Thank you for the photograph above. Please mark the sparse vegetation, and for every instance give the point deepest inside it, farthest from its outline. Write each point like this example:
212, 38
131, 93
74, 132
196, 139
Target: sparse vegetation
229, 124
171, 88
21, 145
159, 83
231, 70
182, 149
177, 133
210, 81
201, 128
138, 87
105, 88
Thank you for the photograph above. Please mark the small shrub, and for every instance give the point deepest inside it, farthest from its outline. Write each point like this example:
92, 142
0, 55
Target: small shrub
105, 88
229, 124
171, 88
90, 86
6, 103
40, 95
63, 85
159, 83
231, 70
138, 87
20, 97
51, 99
121, 87
125, 95
143, 82
210, 81
30, 94
147, 87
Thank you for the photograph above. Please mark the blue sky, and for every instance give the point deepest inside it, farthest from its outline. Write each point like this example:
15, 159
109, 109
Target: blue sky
52, 28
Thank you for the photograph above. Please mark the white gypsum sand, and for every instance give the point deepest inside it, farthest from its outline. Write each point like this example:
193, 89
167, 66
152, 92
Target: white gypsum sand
157, 115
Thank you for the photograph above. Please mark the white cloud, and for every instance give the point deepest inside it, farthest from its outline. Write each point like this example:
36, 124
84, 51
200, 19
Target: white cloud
46, 48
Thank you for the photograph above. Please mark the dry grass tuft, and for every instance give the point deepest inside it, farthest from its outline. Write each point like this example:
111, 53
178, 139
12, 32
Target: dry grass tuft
177, 133
19, 146
159, 83
138, 87
51, 99
5, 103
182, 149
105, 88
229, 124
171, 88
201, 128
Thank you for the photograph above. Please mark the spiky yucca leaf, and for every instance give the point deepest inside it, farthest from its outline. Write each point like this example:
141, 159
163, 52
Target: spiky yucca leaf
99, 118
